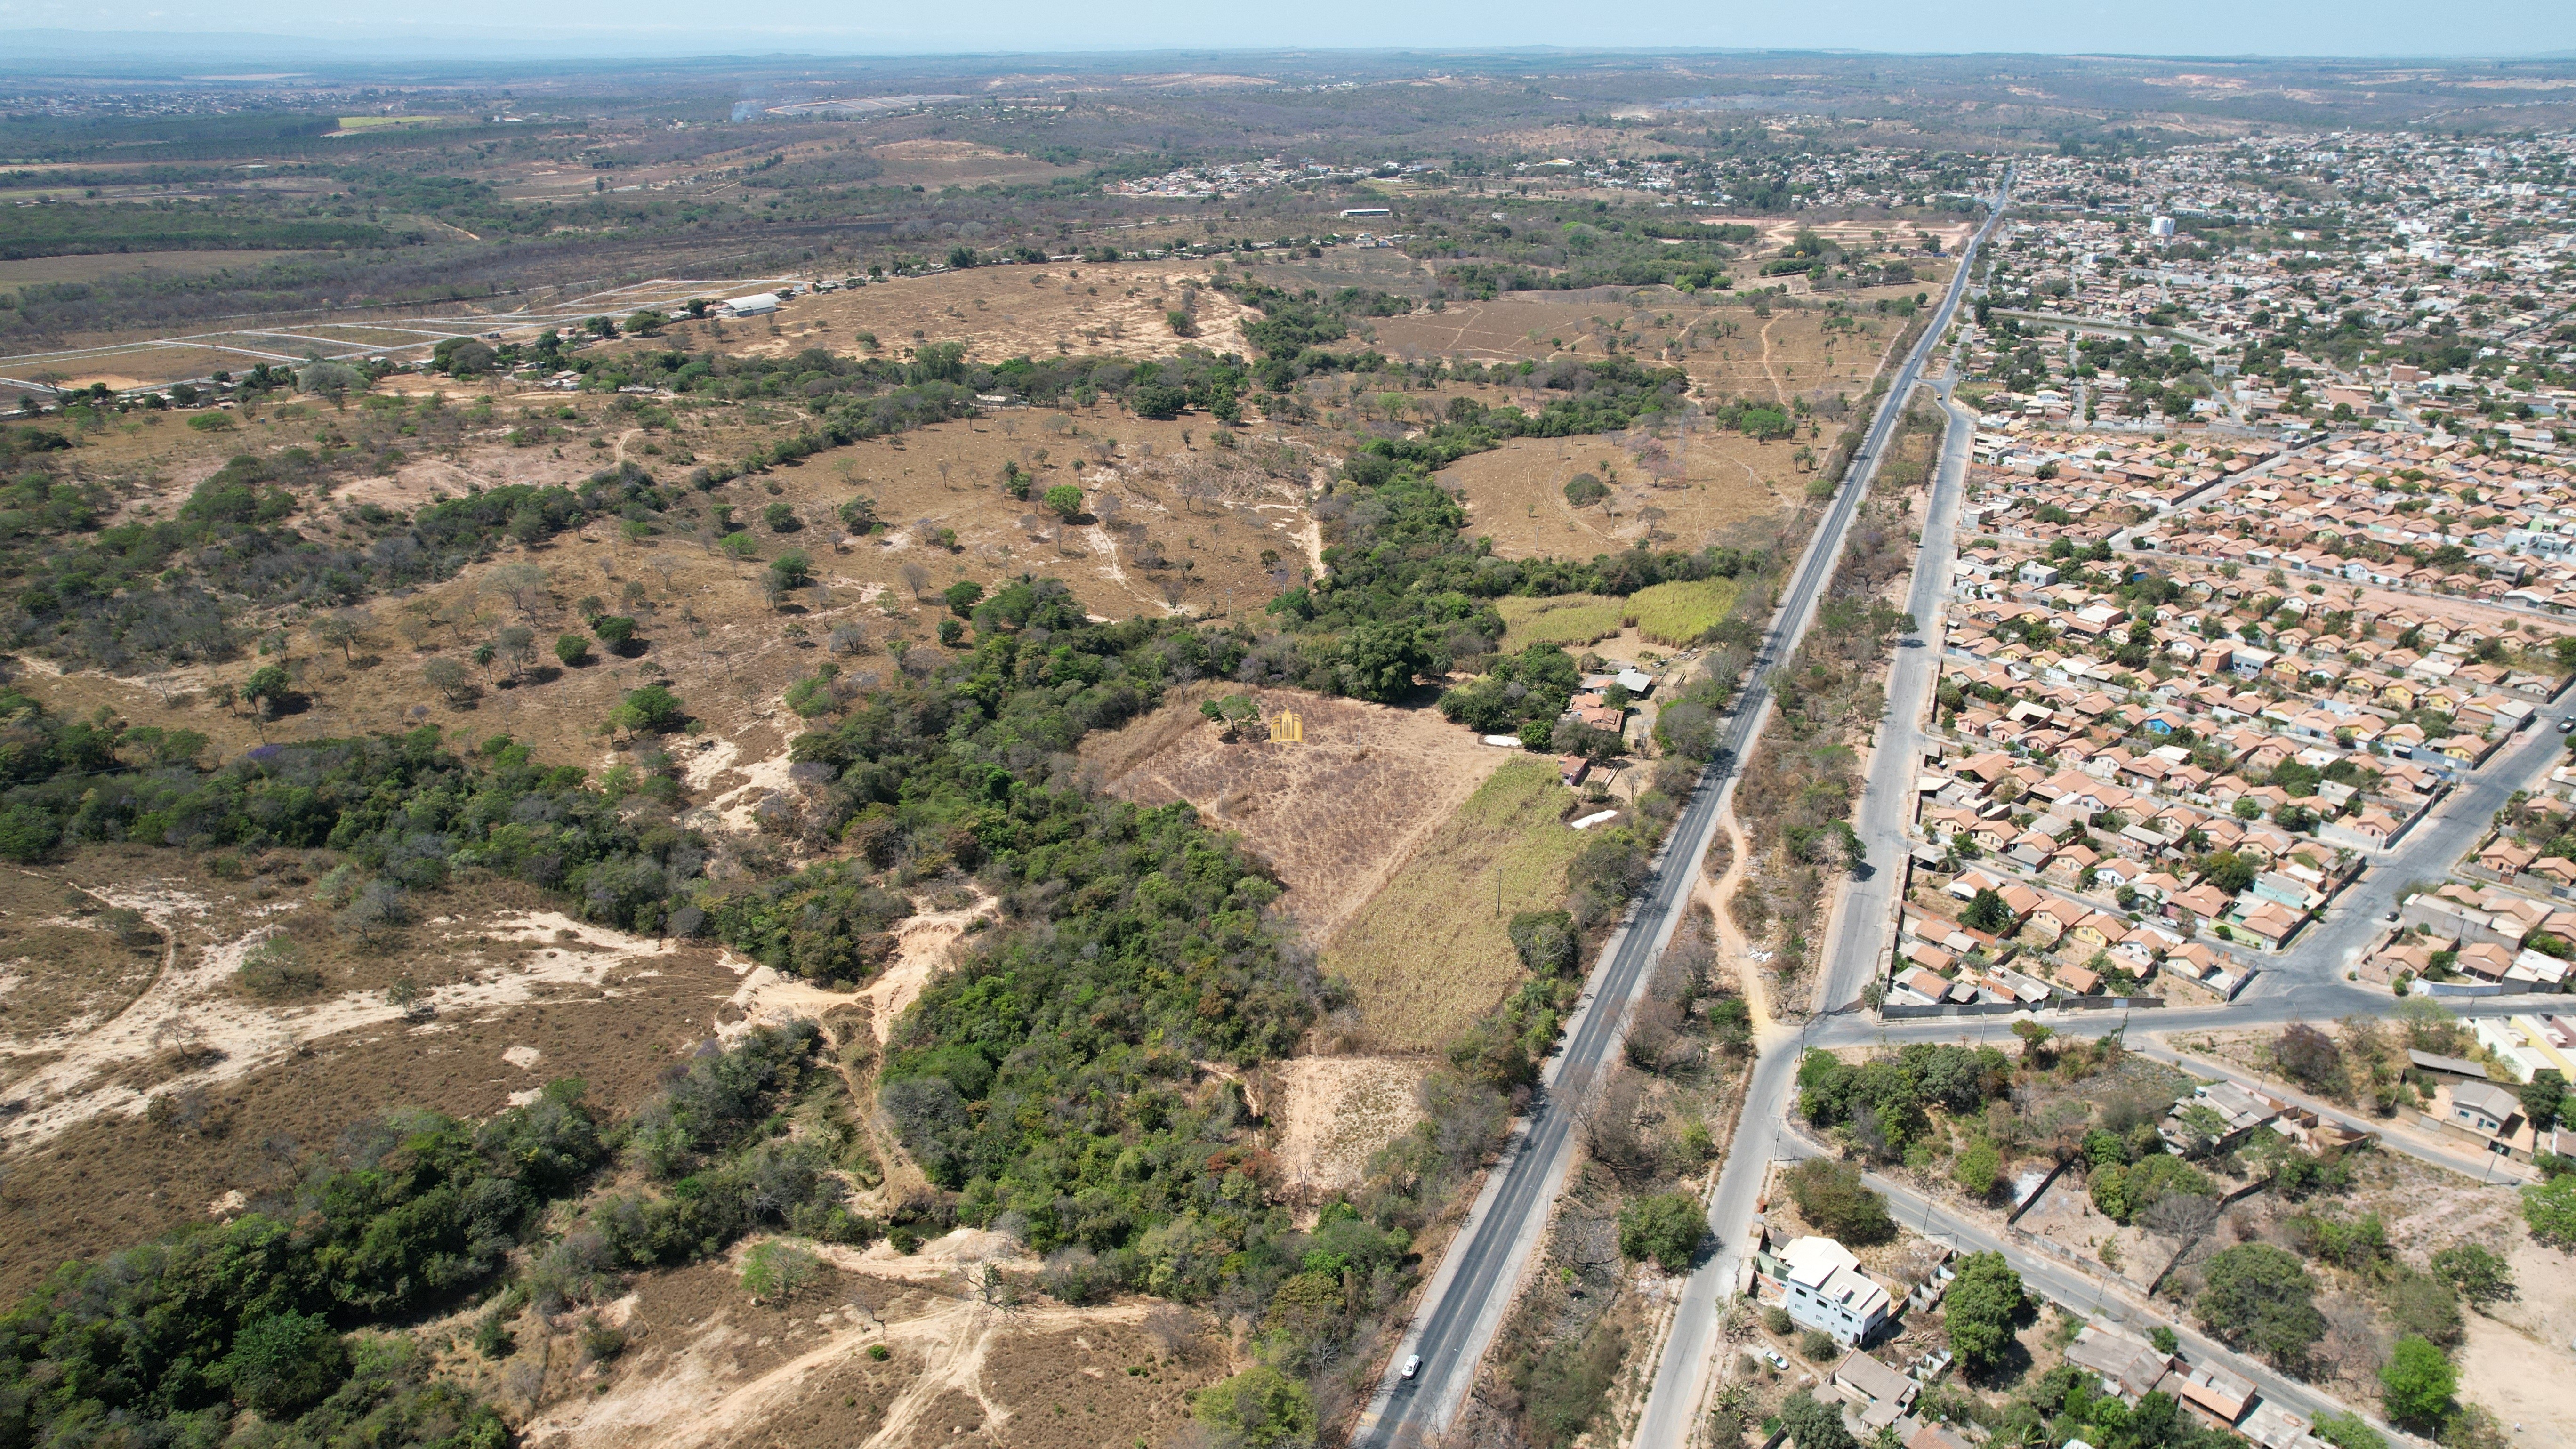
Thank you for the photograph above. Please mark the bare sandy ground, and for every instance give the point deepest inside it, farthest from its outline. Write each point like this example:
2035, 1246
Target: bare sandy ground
191, 1006
1336, 1112
2526, 1384
769, 998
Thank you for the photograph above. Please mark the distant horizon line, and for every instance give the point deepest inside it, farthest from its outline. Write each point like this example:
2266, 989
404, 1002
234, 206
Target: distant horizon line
124, 51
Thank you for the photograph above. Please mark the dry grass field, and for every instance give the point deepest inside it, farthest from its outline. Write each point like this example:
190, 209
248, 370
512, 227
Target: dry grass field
98, 267
999, 312
1683, 486
1569, 620
1172, 522
957, 163
1429, 952
1334, 816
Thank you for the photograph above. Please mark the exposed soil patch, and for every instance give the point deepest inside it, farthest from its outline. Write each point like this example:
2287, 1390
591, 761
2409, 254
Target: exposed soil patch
1335, 815
1335, 1112
709, 1366
245, 1090
999, 312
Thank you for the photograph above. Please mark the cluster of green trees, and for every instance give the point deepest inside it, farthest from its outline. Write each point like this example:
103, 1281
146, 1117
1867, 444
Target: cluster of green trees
1883, 1100
2128, 1175
1407, 595
1050, 1080
1761, 421
2070, 1403
1831, 1196
53, 231
1520, 694
148, 588
275, 1312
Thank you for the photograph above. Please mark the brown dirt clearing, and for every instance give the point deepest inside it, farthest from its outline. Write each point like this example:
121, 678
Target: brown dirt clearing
1335, 815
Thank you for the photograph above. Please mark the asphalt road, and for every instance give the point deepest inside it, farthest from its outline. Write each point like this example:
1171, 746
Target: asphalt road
2461, 1159
2090, 1296
1886, 807
1465, 1301
1679, 1376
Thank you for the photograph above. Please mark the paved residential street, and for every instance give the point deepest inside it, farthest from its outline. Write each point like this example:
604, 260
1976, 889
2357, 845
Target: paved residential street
1861, 920
1463, 1306
2090, 1295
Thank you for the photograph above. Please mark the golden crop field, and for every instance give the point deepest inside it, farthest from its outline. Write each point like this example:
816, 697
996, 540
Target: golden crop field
1569, 619
1678, 613
1429, 953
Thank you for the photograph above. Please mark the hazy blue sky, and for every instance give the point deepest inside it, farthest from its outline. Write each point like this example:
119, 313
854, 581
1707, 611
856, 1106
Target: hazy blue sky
610, 27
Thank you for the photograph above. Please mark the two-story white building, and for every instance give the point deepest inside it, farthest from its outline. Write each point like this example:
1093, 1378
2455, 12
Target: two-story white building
1821, 1285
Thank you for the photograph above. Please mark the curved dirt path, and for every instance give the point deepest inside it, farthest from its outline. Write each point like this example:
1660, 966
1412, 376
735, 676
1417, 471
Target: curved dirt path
1778, 393
1731, 943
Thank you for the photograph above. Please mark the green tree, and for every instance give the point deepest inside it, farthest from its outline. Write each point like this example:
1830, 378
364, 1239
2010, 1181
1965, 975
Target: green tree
2349, 1431
1259, 1407
1981, 1309
572, 649
2417, 1385
962, 596
791, 569
781, 518
617, 631
2541, 1097
449, 679
1987, 912
27, 833
649, 710
1066, 500
2226, 869
285, 1363
2260, 1297
1546, 941
2124, 1192
268, 684
1812, 1425
1666, 1227
2550, 1211
1379, 661
1831, 1195
1977, 1169
2474, 1273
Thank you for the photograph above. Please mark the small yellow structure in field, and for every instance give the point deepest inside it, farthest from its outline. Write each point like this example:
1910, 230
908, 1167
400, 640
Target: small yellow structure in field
1287, 728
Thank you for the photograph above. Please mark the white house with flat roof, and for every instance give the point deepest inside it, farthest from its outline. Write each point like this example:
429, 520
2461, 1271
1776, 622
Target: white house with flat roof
1821, 1285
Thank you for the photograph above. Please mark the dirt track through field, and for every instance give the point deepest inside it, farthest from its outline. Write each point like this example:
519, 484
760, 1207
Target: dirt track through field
191, 1008
1732, 946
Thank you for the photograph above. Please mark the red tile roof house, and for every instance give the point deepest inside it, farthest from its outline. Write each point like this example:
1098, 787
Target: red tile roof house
2268, 922
2200, 902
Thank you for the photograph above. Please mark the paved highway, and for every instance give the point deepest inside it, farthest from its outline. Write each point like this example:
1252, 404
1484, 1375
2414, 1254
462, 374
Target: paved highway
1672, 1403
1464, 1303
